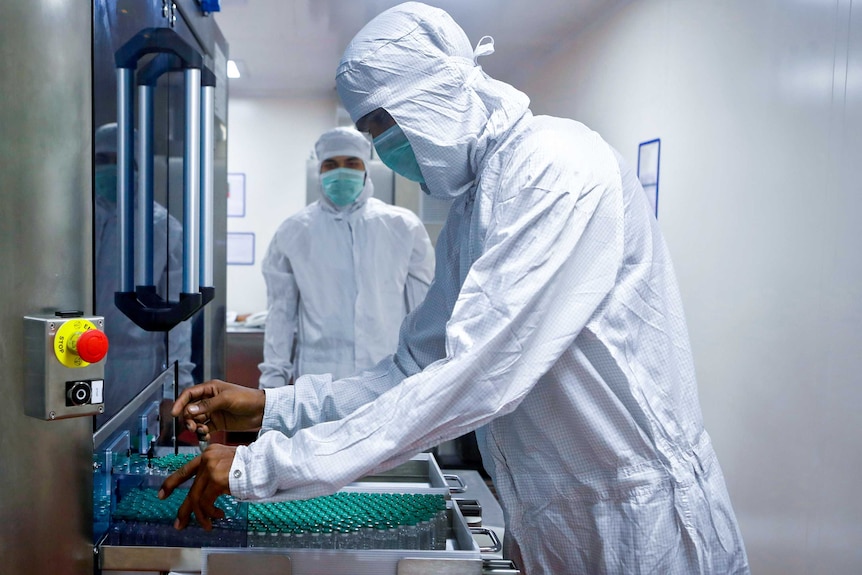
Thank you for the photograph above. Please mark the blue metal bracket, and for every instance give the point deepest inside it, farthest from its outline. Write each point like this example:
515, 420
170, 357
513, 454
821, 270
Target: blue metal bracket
208, 6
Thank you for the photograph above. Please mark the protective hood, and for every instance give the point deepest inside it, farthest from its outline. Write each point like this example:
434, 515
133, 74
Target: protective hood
414, 61
344, 141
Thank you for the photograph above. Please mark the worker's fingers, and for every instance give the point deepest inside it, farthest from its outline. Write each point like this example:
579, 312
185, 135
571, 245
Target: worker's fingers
202, 408
205, 511
202, 518
179, 477
196, 493
183, 514
193, 498
208, 506
203, 436
194, 394
197, 414
198, 422
200, 501
210, 482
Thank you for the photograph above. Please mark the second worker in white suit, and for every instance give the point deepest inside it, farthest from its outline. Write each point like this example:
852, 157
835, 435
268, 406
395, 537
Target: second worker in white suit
342, 273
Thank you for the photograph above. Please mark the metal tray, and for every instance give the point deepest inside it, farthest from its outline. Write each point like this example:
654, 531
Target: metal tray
420, 474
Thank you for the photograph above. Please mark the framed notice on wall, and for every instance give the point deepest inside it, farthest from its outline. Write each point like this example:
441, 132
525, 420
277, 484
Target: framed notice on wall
240, 249
236, 195
649, 156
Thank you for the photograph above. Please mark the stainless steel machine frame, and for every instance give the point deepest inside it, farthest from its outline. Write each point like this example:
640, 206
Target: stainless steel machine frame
46, 261
46, 234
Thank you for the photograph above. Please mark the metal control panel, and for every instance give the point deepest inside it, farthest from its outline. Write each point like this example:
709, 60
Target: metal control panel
65, 365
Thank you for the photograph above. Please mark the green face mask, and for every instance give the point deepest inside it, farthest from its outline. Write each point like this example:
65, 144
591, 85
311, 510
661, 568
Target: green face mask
342, 185
106, 181
394, 149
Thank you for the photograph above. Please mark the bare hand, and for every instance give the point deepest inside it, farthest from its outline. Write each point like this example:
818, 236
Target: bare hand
217, 405
211, 472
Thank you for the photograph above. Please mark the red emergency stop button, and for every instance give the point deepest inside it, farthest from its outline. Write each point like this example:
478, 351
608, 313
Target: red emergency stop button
92, 345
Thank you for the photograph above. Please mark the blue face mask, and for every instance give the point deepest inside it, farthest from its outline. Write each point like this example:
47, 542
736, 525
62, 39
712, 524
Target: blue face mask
395, 151
106, 181
342, 185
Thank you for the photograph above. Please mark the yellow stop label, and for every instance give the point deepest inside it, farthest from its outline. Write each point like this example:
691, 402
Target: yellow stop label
64, 342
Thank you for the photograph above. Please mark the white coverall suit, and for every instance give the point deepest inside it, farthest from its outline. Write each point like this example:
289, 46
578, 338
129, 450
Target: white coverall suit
554, 324
341, 280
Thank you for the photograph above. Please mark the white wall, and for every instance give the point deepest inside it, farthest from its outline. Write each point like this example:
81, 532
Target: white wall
269, 141
759, 108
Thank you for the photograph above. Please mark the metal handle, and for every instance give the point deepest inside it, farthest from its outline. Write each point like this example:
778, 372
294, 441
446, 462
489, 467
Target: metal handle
469, 506
207, 166
462, 487
499, 567
144, 218
125, 180
496, 546
138, 298
157, 41
192, 181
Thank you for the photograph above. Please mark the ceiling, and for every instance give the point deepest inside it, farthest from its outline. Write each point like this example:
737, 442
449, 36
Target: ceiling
291, 48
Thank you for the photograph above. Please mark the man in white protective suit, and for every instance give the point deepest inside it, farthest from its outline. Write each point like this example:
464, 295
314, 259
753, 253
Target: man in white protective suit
341, 274
554, 327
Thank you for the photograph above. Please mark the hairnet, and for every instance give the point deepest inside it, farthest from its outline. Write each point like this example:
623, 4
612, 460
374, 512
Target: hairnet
342, 141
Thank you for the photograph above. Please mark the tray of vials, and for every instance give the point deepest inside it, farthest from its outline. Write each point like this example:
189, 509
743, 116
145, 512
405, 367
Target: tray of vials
406, 513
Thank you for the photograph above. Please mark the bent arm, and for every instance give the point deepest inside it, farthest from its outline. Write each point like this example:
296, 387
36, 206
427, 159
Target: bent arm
315, 399
549, 258
548, 265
